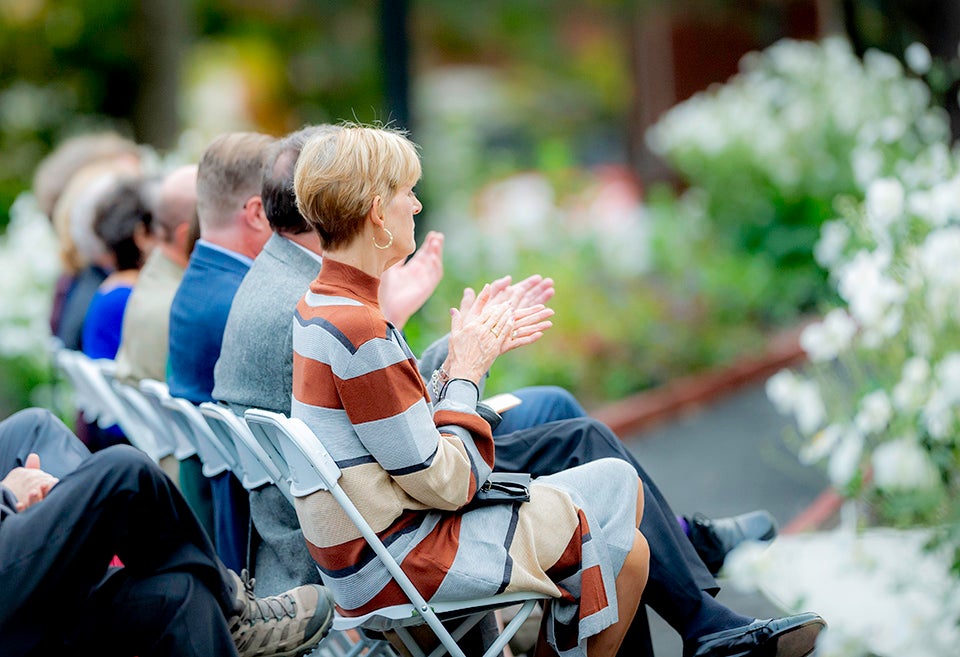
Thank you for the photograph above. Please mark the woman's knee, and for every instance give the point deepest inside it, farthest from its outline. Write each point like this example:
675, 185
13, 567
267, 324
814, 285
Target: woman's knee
639, 557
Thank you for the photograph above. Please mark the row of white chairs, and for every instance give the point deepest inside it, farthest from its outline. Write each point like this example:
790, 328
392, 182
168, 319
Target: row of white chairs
266, 448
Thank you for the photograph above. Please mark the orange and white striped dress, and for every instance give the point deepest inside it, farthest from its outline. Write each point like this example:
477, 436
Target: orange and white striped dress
410, 466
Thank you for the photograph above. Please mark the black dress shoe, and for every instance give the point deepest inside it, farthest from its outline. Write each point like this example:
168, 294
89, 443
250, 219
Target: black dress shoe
713, 539
791, 636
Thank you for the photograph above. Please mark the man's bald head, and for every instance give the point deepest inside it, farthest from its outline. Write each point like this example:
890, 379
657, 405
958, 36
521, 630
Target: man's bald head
177, 203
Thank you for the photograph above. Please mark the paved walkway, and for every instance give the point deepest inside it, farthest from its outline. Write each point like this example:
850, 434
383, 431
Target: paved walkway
726, 458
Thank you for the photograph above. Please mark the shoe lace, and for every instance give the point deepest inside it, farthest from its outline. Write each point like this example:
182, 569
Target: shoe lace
266, 609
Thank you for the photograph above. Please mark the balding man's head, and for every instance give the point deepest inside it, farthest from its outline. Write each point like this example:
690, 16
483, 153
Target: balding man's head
177, 204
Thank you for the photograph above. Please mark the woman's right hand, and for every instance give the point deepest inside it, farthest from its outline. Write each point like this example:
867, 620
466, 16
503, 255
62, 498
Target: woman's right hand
478, 330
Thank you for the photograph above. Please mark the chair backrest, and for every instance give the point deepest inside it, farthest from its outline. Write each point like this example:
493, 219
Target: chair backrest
155, 392
272, 431
258, 469
85, 396
214, 455
313, 469
100, 401
148, 430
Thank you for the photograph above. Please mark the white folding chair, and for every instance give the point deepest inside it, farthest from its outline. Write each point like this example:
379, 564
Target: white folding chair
313, 469
155, 392
214, 455
137, 404
85, 397
258, 469
100, 401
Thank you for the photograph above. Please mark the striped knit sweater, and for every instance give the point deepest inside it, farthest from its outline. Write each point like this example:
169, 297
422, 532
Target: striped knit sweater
356, 384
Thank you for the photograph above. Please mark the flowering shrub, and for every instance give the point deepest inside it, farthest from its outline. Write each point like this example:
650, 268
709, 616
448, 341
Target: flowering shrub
771, 149
28, 251
879, 404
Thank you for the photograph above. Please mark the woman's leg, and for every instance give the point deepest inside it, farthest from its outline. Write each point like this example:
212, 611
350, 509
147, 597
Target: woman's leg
630, 582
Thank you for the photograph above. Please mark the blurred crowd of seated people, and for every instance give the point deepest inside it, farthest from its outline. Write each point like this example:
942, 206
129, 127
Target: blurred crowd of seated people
192, 276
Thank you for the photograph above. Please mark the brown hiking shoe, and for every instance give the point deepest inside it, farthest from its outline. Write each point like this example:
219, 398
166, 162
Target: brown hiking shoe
282, 625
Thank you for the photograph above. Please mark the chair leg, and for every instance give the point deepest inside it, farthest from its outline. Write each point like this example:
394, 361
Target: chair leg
511, 628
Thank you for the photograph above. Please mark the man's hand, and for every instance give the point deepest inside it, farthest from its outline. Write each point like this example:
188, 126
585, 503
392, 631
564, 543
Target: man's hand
532, 291
29, 484
405, 287
528, 299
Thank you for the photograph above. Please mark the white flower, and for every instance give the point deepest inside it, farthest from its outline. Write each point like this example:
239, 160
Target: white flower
826, 340
918, 58
870, 293
808, 407
948, 375
834, 236
822, 443
903, 465
792, 394
885, 204
938, 416
845, 459
781, 389
867, 164
875, 413
938, 204
939, 263
910, 392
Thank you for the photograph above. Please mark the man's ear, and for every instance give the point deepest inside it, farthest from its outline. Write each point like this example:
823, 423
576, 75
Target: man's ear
181, 236
255, 215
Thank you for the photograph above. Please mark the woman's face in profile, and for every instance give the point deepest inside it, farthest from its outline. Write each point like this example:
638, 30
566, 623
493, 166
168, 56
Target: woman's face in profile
398, 217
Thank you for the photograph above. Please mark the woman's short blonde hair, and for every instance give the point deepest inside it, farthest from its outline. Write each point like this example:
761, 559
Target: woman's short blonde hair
339, 173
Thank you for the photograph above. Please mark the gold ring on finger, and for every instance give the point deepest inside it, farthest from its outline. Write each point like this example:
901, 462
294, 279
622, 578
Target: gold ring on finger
495, 334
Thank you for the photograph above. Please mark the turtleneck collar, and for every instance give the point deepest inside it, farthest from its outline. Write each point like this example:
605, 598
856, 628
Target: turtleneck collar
350, 281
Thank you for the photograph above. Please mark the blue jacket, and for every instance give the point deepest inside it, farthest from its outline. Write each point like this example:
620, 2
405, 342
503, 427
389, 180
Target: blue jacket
198, 316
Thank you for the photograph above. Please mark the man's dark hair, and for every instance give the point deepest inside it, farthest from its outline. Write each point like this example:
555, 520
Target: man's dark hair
276, 190
117, 218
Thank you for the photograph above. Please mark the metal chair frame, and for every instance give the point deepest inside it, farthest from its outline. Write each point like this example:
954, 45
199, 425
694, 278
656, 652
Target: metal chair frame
313, 469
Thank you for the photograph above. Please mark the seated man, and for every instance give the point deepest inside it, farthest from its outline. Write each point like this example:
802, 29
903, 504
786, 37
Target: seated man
58, 534
232, 232
256, 371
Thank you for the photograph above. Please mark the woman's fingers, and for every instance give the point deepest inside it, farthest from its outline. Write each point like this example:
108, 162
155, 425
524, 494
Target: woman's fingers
467, 300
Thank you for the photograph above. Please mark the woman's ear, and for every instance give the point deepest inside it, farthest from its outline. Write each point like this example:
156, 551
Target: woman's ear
376, 211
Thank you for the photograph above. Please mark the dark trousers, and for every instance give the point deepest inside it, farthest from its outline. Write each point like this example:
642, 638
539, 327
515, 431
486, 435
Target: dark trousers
41, 432
677, 574
171, 597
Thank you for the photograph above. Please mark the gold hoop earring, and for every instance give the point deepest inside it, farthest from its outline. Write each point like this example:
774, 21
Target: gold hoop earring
389, 242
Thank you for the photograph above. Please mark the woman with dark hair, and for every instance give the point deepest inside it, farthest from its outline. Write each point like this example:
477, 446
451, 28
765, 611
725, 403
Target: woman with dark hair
123, 221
